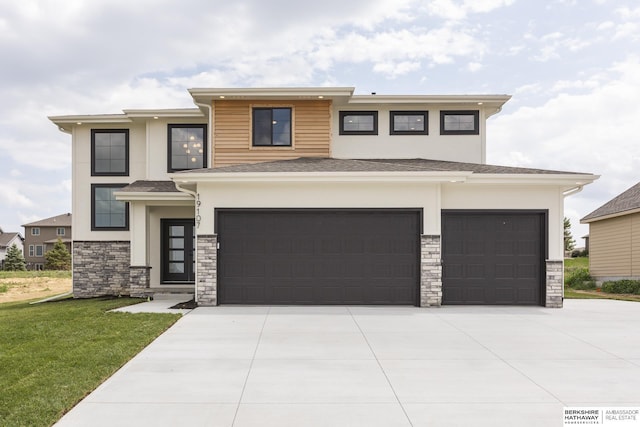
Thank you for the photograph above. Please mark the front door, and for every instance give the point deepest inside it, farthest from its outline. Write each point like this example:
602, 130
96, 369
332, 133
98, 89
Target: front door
178, 243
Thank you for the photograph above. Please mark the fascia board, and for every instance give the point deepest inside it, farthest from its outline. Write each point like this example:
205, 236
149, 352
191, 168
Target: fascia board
134, 196
169, 113
570, 180
97, 118
609, 216
208, 94
486, 100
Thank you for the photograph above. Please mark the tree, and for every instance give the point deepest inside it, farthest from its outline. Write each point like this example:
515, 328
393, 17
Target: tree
14, 260
58, 258
569, 243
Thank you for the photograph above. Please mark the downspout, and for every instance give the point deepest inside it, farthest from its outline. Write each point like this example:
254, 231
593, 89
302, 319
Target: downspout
195, 196
209, 130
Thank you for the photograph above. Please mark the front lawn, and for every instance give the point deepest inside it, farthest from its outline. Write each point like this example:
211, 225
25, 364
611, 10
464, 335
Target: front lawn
54, 354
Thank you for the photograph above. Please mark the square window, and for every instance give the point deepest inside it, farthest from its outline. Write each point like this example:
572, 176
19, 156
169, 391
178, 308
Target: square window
271, 127
408, 122
460, 122
187, 147
107, 213
358, 122
35, 231
109, 152
60, 231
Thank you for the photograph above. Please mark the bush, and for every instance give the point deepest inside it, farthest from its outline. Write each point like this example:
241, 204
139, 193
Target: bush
622, 287
579, 279
578, 253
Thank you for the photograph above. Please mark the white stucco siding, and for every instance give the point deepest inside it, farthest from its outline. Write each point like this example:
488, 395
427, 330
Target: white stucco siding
319, 195
459, 148
469, 196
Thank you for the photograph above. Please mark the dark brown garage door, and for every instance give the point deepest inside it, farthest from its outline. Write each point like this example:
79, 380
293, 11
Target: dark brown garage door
492, 257
318, 257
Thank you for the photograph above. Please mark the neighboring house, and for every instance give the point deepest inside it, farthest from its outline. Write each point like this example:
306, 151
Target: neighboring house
6, 241
313, 196
614, 237
40, 236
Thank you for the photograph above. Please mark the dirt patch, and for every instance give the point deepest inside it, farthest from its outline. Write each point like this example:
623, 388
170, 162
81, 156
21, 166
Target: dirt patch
19, 289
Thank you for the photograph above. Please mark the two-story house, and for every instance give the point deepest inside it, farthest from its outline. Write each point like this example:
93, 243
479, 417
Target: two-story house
40, 236
313, 196
8, 239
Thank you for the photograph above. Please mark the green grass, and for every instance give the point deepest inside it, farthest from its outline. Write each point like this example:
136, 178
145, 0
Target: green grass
55, 274
54, 354
571, 264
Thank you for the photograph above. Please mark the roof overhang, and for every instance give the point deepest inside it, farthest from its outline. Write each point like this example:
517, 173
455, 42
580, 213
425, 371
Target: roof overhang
613, 215
67, 123
208, 95
152, 196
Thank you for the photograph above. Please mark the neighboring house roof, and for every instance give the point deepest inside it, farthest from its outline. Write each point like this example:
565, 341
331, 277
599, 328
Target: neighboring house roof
315, 164
63, 220
625, 203
7, 238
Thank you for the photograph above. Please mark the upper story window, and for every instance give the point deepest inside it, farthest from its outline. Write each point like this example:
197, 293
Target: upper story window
187, 147
459, 122
107, 213
358, 122
35, 231
271, 127
408, 122
109, 152
60, 231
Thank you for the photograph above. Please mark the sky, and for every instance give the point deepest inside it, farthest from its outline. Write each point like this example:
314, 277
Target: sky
571, 66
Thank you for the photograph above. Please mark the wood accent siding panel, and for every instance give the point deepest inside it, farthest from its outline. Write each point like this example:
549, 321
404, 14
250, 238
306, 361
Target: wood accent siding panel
610, 247
311, 128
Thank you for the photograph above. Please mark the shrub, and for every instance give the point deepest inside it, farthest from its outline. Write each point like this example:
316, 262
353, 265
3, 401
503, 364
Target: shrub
622, 287
579, 279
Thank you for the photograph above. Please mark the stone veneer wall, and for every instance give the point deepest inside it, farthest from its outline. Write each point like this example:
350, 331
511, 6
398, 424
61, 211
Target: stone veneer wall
207, 270
139, 279
555, 283
430, 272
101, 268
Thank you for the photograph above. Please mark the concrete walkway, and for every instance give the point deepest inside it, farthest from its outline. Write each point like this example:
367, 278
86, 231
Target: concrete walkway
376, 366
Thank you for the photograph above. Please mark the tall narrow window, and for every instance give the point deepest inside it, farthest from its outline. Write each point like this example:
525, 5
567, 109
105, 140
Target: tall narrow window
408, 123
107, 213
272, 127
358, 122
460, 122
187, 147
109, 152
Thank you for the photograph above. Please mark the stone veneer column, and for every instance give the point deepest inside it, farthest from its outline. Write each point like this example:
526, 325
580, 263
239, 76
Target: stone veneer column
139, 281
430, 272
555, 283
207, 270
100, 268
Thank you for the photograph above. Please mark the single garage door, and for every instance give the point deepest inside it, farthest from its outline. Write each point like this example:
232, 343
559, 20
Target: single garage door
318, 256
493, 257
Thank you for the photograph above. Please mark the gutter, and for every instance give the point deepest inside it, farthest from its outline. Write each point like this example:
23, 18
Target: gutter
572, 191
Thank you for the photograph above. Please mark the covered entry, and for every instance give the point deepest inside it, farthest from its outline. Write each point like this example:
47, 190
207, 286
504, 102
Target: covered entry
318, 256
493, 257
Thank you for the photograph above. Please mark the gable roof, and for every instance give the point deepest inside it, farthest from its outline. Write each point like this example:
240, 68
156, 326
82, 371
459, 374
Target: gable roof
316, 164
6, 238
63, 220
624, 203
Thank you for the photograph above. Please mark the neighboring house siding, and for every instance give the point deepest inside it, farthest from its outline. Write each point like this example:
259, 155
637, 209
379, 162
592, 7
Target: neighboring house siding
311, 128
614, 247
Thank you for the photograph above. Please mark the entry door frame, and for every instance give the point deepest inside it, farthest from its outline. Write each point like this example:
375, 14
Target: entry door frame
544, 237
166, 276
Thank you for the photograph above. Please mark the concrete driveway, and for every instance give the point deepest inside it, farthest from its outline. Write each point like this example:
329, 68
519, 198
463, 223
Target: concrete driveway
376, 366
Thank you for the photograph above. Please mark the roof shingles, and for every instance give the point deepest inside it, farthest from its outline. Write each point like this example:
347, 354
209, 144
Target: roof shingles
627, 201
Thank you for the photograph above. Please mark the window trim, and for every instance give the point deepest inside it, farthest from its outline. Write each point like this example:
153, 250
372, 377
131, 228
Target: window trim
93, 152
371, 113
35, 231
58, 231
425, 118
476, 122
32, 251
253, 128
202, 126
41, 247
93, 209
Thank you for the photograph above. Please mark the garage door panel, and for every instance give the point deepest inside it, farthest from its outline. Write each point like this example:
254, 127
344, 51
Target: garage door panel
319, 257
501, 261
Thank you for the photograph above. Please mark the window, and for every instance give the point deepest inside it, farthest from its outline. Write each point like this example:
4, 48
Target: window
107, 213
60, 231
35, 231
109, 152
358, 122
272, 127
187, 147
39, 251
408, 123
459, 122
32, 252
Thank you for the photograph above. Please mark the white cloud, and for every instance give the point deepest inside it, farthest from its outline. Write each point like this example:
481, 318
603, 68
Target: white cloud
455, 10
394, 70
474, 66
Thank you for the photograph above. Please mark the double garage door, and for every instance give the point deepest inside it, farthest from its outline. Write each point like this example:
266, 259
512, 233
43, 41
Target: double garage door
373, 257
